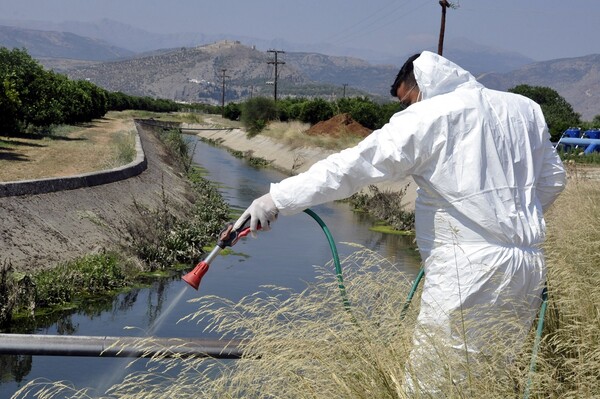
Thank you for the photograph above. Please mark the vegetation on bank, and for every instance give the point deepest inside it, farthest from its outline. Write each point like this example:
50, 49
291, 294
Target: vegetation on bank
256, 113
162, 239
307, 344
32, 99
387, 206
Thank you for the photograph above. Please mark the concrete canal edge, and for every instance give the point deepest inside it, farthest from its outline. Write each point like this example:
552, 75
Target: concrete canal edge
282, 157
48, 185
71, 217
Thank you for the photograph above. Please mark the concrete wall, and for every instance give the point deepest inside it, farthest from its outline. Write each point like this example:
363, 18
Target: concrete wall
42, 186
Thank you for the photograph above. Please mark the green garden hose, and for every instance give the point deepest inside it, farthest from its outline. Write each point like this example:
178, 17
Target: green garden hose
413, 289
336, 258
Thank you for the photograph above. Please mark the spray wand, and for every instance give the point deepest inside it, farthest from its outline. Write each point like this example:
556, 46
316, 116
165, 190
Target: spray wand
228, 237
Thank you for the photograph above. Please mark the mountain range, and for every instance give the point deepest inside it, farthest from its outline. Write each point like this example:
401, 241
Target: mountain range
195, 67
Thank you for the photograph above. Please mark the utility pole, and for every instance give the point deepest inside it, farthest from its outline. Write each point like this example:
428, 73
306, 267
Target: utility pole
344, 95
445, 4
223, 76
275, 63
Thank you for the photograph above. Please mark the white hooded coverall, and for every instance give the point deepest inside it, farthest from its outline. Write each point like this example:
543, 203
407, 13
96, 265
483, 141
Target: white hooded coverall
486, 171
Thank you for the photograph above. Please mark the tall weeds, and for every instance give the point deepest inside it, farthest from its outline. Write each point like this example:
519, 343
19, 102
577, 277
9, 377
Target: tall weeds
570, 358
307, 345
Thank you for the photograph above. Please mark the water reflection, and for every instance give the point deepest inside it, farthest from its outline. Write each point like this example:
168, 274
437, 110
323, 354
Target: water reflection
14, 368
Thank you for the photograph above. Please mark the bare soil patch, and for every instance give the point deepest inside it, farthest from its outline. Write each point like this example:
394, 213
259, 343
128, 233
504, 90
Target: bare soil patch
339, 125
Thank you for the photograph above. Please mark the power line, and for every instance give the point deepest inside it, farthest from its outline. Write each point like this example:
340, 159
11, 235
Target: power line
356, 24
391, 17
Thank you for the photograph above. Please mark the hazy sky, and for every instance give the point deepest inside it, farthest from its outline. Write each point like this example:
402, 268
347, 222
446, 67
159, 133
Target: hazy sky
540, 29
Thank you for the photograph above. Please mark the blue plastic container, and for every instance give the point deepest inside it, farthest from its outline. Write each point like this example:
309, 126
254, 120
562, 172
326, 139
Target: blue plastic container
574, 132
592, 134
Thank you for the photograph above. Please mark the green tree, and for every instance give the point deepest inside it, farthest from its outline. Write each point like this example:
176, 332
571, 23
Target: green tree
256, 113
558, 112
9, 105
232, 111
316, 110
18, 72
387, 110
362, 110
78, 104
289, 109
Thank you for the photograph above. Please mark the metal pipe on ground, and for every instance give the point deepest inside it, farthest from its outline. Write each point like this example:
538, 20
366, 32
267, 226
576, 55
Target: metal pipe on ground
70, 345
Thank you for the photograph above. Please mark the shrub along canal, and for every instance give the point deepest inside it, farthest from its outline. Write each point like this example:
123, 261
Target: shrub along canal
283, 257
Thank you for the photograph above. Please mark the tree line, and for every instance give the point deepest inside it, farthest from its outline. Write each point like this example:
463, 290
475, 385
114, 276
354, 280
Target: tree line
255, 113
34, 99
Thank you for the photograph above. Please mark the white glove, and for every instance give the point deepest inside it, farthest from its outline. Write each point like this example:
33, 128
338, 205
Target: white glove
261, 210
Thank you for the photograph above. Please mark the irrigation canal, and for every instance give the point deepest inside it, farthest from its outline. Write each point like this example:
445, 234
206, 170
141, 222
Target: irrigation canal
283, 257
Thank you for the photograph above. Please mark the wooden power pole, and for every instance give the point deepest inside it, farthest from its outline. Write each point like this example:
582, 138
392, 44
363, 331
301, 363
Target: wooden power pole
275, 63
223, 76
445, 5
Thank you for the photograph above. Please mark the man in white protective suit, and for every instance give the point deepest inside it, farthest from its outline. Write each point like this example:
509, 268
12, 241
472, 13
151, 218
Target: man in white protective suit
486, 171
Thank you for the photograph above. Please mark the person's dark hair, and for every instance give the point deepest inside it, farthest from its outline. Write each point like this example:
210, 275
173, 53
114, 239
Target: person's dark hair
405, 75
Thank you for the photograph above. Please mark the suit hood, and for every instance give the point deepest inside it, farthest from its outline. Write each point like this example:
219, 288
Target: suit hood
437, 75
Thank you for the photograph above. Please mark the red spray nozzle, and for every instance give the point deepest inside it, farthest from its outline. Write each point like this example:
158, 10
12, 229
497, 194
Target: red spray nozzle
227, 238
194, 277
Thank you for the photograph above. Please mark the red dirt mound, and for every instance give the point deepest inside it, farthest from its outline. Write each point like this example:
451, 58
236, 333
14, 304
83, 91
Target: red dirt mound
339, 125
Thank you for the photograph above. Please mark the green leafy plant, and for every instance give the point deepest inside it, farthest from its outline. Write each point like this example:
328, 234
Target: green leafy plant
256, 113
89, 275
385, 205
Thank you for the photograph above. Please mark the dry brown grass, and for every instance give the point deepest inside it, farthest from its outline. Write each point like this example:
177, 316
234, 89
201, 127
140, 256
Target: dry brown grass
307, 345
69, 151
569, 365
294, 135
310, 347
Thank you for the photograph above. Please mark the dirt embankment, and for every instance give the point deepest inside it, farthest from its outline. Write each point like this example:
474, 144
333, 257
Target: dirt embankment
293, 160
40, 230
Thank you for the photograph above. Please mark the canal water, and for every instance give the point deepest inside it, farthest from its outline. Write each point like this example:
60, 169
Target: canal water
284, 256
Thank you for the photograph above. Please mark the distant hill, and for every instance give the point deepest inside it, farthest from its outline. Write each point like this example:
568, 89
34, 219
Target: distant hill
575, 79
54, 44
339, 71
473, 56
119, 34
194, 72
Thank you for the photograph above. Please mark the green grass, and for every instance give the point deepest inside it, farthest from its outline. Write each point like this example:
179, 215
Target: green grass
58, 288
126, 152
63, 130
